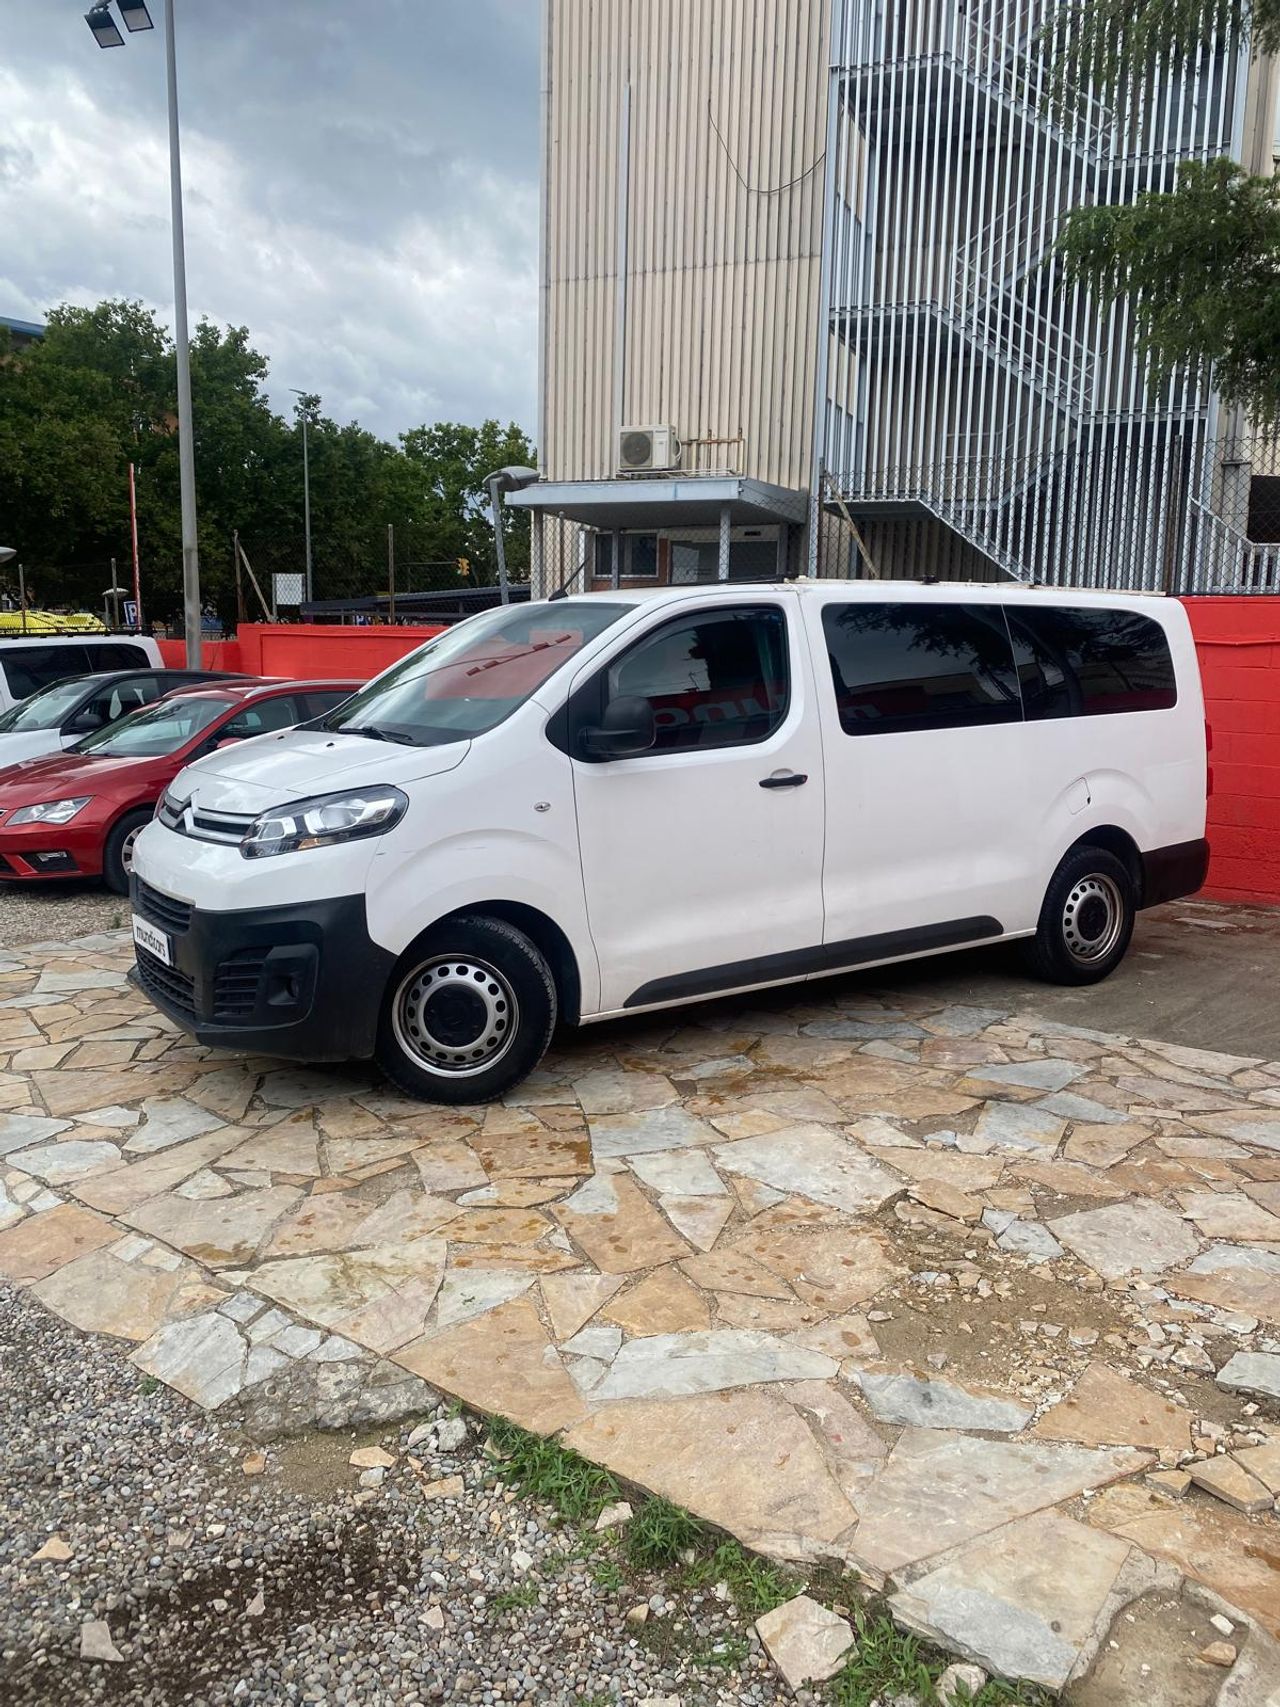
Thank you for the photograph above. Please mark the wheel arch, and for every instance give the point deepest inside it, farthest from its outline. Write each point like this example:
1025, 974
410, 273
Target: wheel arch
545, 934
1113, 840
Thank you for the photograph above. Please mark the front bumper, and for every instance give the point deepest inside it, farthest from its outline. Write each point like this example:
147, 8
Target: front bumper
304, 982
39, 853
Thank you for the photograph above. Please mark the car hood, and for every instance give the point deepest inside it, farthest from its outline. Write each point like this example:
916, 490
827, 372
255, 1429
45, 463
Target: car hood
28, 744
300, 762
58, 776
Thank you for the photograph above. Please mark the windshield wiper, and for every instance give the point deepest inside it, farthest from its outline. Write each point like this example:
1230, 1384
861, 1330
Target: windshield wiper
375, 732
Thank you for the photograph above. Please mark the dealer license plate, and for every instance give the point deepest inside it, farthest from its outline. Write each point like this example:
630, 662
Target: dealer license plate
154, 941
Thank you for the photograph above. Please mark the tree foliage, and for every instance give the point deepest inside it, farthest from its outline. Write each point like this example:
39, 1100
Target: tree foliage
1198, 264
99, 391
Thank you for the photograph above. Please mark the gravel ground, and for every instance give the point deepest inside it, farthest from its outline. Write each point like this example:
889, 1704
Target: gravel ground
293, 1585
57, 912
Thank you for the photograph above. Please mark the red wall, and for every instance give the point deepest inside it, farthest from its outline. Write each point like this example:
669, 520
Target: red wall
297, 650
1239, 644
1238, 640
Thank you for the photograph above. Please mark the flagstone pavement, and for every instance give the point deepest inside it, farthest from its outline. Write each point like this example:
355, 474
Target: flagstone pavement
984, 1306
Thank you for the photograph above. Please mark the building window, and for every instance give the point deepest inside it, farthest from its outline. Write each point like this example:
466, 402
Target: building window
713, 681
637, 557
1074, 663
899, 668
753, 555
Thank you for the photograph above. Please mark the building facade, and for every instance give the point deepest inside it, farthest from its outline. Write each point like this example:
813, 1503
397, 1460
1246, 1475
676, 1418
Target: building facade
801, 311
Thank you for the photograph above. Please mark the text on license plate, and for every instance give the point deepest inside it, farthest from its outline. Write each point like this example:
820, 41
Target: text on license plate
154, 941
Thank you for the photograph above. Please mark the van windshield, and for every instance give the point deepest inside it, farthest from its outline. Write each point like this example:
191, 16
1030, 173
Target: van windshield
472, 677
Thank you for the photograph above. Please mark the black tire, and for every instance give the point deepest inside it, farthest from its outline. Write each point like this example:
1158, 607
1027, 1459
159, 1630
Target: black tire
1086, 921
468, 1012
116, 852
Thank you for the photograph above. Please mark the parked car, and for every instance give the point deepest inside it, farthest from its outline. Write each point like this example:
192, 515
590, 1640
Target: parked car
78, 814
28, 664
622, 802
55, 718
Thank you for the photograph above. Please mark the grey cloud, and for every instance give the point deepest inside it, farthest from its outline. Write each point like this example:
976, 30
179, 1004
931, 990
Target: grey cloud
361, 189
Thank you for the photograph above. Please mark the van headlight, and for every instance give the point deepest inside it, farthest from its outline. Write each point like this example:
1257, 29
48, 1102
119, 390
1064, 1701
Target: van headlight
327, 819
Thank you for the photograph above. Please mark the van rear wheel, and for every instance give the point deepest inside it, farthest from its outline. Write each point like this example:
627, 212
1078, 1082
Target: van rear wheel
1086, 921
468, 1013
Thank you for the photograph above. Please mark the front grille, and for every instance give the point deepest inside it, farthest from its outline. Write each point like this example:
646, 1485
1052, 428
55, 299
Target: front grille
165, 910
237, 984
207, 826
166, 985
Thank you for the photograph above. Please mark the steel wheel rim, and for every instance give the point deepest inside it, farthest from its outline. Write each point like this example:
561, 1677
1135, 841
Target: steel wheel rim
455, 1014
1093, 918
126, 850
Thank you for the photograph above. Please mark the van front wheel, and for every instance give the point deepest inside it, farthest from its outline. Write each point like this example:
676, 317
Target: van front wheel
1086, 921
469, 1012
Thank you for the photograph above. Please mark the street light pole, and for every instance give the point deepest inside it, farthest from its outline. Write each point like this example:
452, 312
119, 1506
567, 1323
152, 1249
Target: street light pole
191, 612
106, 34
306, 484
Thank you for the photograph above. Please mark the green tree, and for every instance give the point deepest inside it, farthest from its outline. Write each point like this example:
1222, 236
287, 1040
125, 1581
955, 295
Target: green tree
99, 392
1199, 264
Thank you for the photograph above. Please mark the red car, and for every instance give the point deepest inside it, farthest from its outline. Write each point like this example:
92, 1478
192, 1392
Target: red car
76, 814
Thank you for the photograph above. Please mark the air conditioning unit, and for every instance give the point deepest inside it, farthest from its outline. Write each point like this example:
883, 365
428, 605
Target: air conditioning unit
644, 450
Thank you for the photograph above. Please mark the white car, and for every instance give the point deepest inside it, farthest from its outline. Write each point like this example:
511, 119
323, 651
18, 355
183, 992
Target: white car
55, 718
627, 801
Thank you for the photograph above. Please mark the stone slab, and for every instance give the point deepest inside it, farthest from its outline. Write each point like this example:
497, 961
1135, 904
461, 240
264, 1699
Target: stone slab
1107, 1408
1126, 1237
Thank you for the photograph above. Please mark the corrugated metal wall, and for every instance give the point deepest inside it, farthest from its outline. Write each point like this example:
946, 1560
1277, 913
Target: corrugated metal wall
705, 121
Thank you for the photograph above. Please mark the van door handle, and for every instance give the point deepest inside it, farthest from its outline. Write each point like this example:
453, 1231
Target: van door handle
784, 779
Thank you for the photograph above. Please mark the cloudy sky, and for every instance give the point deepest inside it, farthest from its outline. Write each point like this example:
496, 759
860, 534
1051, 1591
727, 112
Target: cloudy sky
360, 178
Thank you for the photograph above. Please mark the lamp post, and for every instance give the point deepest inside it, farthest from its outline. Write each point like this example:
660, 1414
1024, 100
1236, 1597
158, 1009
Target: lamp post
303, 406
510, 479
106, 33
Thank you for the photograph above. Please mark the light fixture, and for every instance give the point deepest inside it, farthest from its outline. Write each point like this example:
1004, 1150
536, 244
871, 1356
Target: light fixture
135, 15
105, 31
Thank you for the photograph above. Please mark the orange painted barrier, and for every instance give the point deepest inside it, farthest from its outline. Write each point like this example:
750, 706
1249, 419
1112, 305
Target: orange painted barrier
1238, 640
299, 650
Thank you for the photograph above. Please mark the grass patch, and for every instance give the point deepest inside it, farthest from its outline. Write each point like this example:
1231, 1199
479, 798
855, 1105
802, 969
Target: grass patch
888, 1662
658, 1534
544, 1470
726, 1655
755, 1585
515, 1599
607, 1574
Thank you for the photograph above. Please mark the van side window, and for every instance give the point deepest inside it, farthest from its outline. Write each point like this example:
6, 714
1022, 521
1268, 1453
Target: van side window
713, 680
115, 655
1087, 663
27, 669
897, 668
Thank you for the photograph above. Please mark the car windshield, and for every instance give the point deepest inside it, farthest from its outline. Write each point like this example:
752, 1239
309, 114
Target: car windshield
472, 677
155, 730
44, 710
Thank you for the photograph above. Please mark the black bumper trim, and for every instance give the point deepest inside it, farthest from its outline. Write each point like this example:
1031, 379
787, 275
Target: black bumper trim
1170, 873
316, 987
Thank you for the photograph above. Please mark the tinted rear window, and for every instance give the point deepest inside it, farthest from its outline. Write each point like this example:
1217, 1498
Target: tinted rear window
27, 669
1074, 663
903, 667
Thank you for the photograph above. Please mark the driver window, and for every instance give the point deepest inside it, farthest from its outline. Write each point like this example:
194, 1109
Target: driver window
261, 719
713, 680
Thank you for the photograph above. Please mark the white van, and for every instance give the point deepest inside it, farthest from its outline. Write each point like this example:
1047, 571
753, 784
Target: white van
625, 801
31, 662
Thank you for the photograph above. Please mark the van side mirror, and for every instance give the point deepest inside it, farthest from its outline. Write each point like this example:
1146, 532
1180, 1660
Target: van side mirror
627, 729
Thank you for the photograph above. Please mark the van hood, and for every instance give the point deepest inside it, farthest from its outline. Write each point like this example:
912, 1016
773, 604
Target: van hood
272, 769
